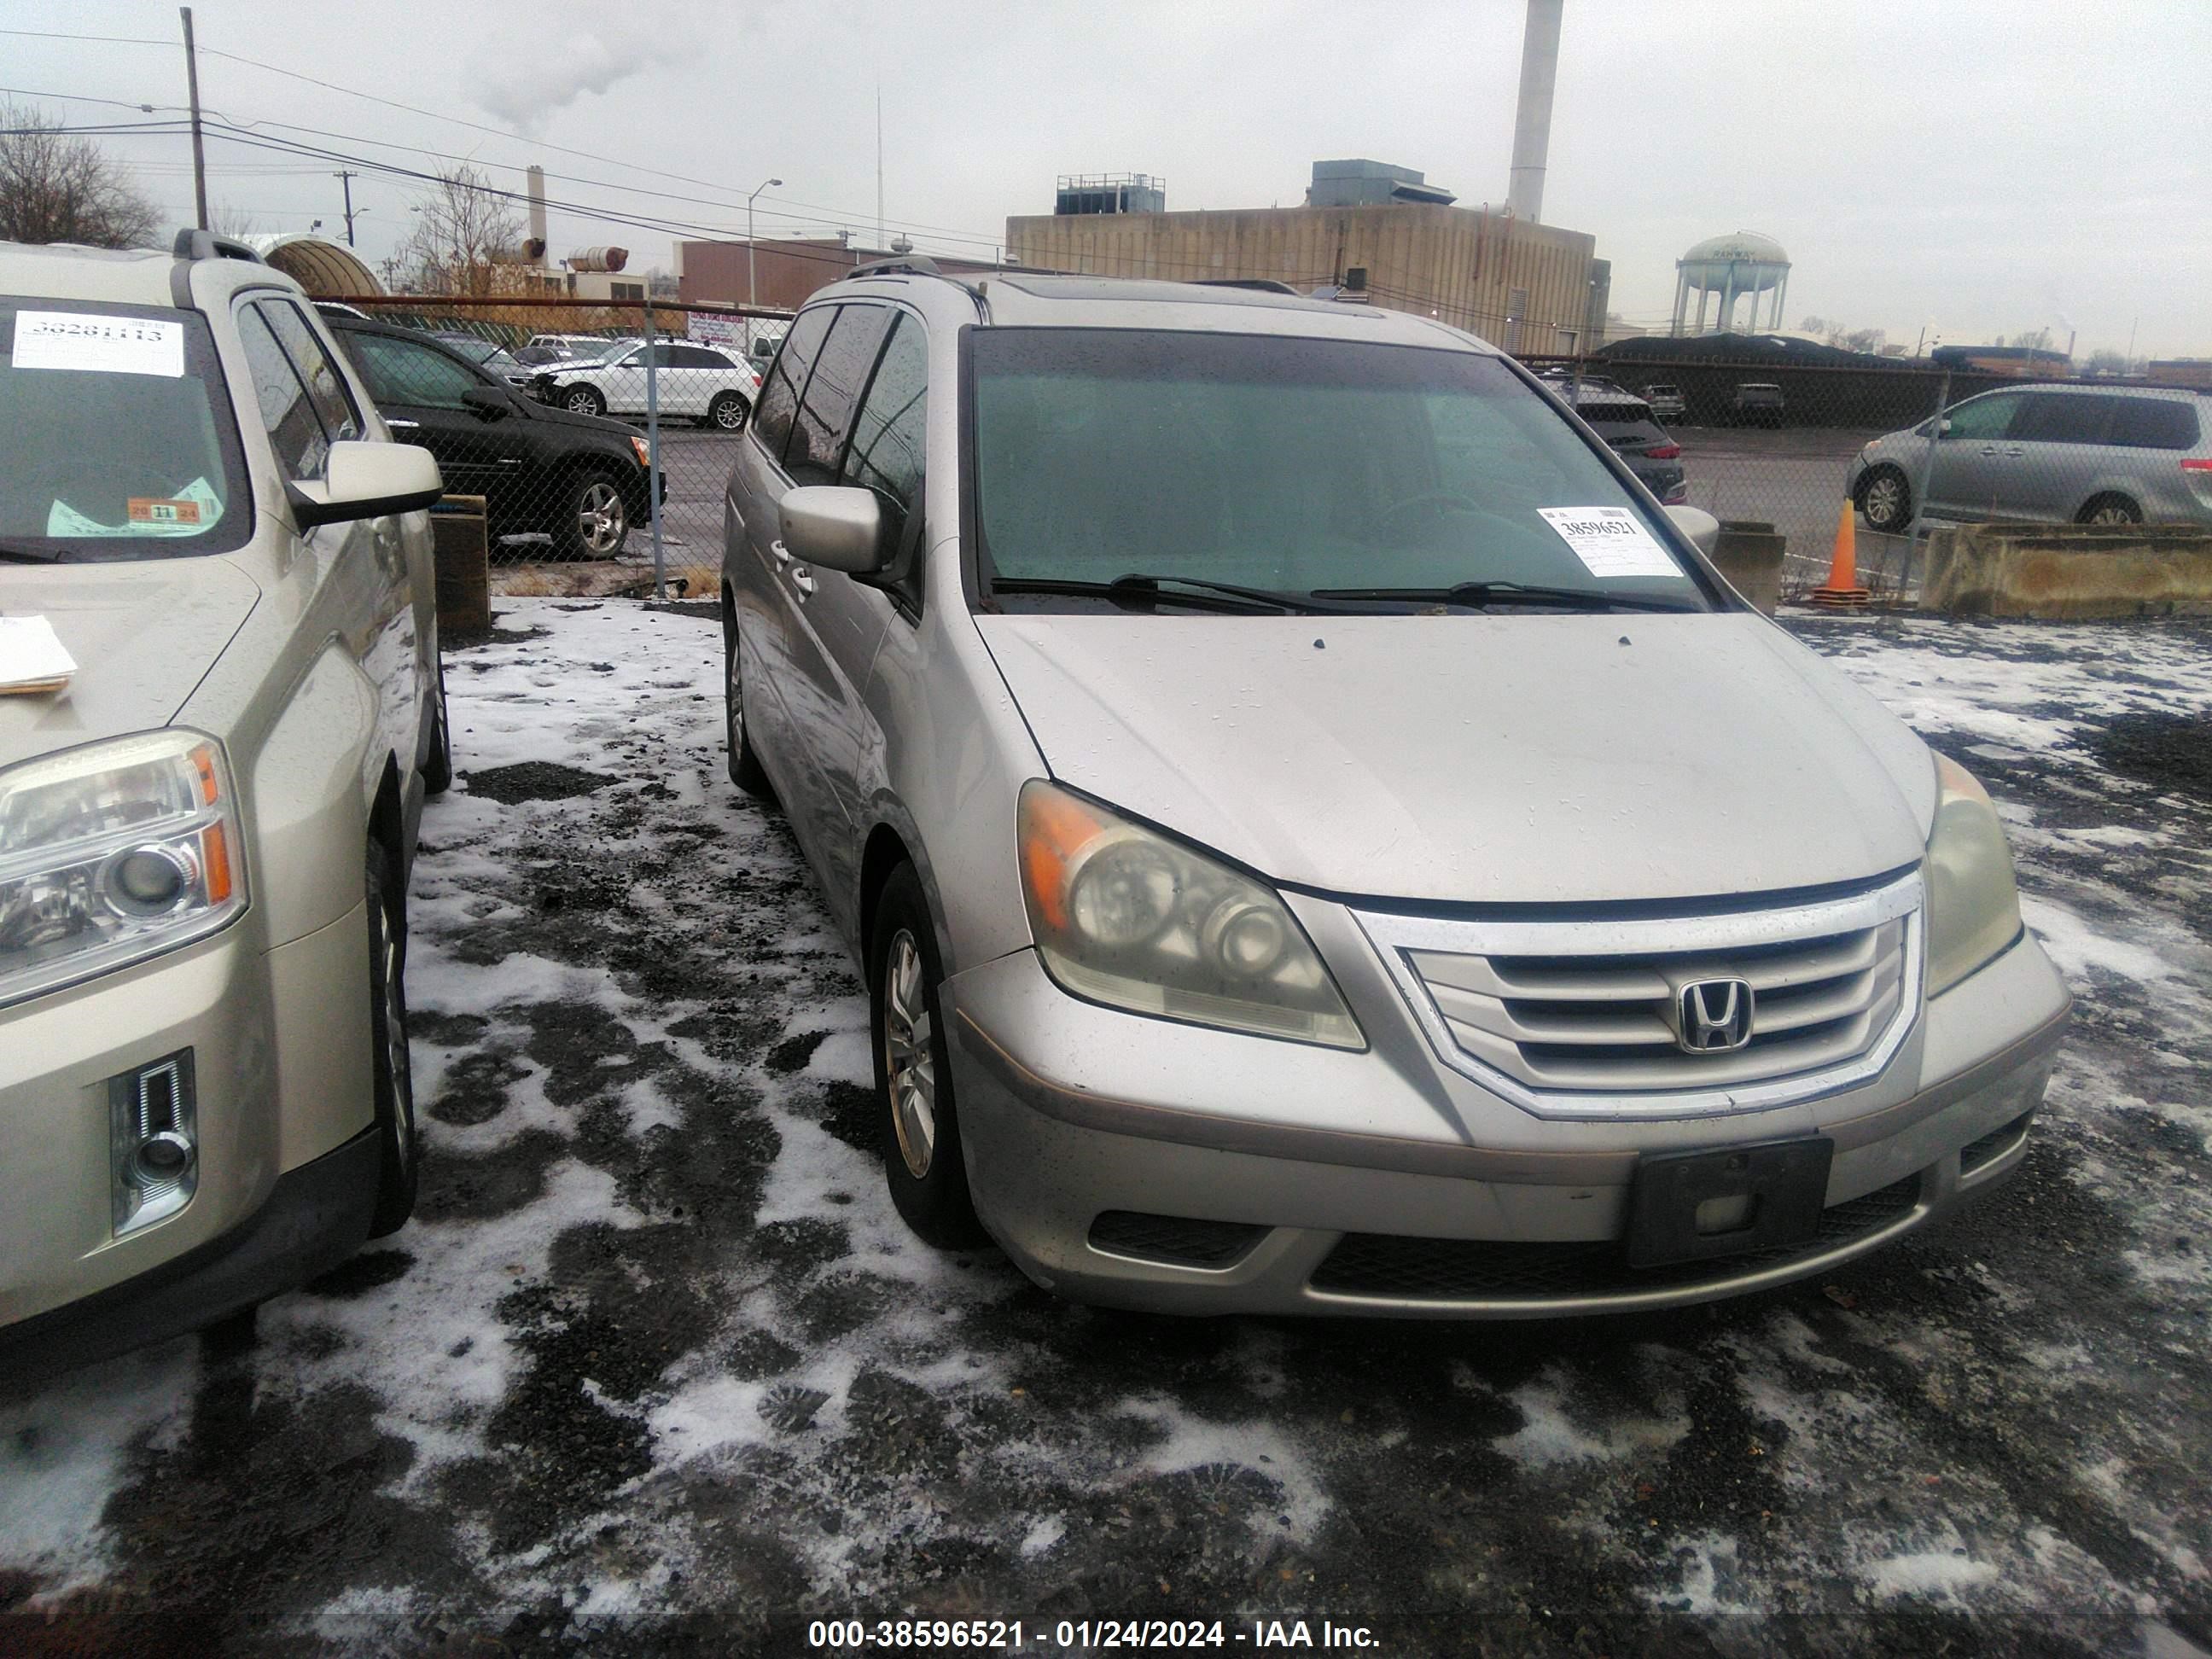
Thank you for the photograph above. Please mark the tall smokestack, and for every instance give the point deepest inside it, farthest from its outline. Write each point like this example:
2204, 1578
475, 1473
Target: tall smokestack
535, 186
1532, 124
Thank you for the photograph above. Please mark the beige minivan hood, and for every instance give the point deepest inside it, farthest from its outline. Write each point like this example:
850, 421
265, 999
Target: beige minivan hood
144, 632
1502, 759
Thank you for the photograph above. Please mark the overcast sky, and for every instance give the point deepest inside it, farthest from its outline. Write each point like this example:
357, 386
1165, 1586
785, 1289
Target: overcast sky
1970, 169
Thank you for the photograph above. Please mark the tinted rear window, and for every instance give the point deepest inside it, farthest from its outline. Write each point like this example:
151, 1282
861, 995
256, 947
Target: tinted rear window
2155, 423
2061, 418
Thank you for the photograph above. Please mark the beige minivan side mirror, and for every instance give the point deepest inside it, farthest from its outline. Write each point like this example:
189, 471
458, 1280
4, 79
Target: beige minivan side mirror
838, 526
363, 479
1699, 526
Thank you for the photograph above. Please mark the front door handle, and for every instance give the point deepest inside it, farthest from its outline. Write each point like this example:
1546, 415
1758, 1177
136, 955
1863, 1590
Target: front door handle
802, 579
782, 553
2014, 451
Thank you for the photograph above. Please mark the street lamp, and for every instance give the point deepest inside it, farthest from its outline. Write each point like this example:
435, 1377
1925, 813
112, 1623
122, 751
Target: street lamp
752, 256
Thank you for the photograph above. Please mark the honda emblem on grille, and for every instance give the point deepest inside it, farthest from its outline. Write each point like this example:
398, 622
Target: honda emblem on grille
1712, 1015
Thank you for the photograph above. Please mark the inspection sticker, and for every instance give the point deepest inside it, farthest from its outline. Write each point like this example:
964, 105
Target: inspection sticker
146, 510
1610, 541
105, 345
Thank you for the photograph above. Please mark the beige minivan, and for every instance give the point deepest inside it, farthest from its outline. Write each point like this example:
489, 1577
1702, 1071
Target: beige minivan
208, 539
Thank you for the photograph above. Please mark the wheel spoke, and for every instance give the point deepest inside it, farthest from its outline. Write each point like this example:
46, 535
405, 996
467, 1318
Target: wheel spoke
909, 1055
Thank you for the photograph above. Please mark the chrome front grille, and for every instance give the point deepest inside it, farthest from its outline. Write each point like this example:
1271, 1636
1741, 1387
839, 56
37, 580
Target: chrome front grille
1580, 1018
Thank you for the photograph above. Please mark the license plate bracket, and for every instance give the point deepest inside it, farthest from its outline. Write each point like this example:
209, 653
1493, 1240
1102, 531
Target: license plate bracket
1727, 1200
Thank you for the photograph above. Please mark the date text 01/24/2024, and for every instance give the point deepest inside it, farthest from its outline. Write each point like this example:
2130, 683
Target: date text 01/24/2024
1009, 1634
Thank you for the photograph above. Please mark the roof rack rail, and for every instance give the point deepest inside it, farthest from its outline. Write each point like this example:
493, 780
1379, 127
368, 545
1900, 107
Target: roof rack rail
906, 264
206, 244
1257, 284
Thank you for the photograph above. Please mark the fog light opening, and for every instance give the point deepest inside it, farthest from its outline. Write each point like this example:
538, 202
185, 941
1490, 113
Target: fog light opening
154, 1135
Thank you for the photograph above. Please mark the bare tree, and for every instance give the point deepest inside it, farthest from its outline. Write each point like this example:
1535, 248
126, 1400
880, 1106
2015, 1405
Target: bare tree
2036, 339
56, 188
1867, 339
228, 221
2108, 362
464, 228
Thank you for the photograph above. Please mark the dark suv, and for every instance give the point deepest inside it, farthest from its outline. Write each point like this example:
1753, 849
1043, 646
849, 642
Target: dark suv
1626, 421
578, 478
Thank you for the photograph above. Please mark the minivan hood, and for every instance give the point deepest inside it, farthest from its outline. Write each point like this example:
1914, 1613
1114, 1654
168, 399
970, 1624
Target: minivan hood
1506, 759
144, 632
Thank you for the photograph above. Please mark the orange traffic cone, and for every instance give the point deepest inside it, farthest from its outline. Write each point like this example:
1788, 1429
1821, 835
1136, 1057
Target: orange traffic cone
1842, 592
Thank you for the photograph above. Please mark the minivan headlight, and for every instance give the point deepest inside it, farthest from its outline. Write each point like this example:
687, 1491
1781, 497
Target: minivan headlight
1973, 908
1125, 916
111, 852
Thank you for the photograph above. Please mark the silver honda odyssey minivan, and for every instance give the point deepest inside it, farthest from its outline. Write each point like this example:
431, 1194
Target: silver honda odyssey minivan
1320, 837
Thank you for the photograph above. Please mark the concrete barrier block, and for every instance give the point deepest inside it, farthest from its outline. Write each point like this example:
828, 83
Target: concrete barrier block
2068, 573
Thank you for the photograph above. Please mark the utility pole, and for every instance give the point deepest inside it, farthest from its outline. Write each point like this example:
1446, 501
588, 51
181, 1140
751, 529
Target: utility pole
346, 179
199, 154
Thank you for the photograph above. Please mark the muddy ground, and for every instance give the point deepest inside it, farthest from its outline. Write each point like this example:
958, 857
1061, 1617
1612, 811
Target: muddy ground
655, 1368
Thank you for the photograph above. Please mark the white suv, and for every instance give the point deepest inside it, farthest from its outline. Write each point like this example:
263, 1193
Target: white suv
695, 382
209, 794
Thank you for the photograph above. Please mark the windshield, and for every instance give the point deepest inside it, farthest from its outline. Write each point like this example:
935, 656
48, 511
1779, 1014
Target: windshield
116, 436
1293, 467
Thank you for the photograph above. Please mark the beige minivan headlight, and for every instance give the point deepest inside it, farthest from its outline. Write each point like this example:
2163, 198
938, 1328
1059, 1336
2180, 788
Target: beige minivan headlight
1973, 908
111, 852
1125, 916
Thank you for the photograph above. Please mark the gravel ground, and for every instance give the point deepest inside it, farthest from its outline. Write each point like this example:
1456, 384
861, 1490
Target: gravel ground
656, 1369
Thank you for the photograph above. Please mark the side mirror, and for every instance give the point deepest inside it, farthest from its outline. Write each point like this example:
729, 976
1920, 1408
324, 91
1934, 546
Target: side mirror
487, 403
838, 526
365, 480
1943, 426
1699, 526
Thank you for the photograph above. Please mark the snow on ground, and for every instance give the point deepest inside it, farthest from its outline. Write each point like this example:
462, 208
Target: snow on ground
656, 1360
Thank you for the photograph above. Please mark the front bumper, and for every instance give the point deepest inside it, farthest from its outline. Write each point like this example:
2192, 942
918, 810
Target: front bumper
1381, 1183
315, 1217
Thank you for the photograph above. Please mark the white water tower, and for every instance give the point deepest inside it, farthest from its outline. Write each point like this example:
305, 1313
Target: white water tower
1731, 267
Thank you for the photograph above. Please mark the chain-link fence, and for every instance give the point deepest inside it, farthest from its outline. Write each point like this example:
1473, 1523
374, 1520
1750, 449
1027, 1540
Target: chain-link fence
1787, 445
553, 412
562, 417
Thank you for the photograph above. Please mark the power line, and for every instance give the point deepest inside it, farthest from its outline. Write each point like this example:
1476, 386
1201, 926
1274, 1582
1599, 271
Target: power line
835, 215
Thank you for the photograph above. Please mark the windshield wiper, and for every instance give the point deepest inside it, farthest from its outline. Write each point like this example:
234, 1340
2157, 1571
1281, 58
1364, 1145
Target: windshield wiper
1211, 596
1507, 592
15, 554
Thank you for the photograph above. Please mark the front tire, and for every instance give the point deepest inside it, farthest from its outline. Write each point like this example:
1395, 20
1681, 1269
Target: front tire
745, 768
595, 523
584, 400
1885, 499
916, 1115
727, 412
391, 1074
2111, 509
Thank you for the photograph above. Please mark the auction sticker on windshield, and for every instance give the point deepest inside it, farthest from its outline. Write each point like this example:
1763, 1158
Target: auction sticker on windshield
1610, 541
105, 345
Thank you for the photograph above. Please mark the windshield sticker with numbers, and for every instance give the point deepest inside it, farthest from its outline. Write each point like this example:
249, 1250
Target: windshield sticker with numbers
103, 345
1610, 541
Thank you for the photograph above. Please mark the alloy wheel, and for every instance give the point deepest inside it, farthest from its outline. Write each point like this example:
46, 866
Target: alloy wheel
909, 1055
1884, 501
600, 523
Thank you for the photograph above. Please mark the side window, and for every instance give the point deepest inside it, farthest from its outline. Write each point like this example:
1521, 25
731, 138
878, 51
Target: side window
686, 357
288, 413
1983, 417
825, 407
778, 399
2153, 423
326, 387
886, 454
400, 373
2061, 418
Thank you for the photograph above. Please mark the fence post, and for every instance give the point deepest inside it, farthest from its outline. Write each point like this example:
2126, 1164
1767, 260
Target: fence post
652, 451
1917, 531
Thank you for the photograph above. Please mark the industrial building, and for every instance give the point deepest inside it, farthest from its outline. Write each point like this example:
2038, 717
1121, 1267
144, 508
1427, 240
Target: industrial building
1366, 226
780, 273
